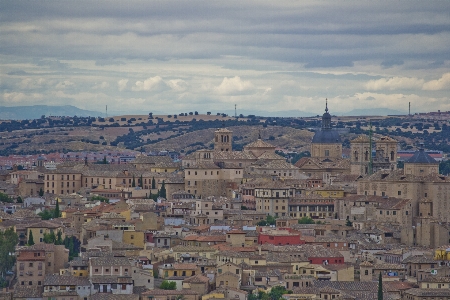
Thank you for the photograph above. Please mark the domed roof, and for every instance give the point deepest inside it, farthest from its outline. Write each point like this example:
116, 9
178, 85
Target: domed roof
421, 157
326, 136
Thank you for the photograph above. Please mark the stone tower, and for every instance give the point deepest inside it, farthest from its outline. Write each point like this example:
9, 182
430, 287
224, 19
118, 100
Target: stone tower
387, 147
366, 269
223, 140
360, 155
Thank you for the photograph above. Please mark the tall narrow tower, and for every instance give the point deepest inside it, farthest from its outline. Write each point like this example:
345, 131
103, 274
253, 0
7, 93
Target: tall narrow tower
223, 140
360, 155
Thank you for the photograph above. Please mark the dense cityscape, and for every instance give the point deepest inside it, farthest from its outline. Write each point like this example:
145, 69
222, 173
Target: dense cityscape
356, 220
224, 150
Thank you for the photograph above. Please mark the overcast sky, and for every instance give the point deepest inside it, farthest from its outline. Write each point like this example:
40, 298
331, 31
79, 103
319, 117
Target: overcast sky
180, 56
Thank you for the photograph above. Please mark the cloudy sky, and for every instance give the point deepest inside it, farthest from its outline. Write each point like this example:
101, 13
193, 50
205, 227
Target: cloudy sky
178, 56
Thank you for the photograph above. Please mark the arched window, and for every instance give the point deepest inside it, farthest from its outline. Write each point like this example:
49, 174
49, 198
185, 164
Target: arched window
392, 155
366, 155
356, 155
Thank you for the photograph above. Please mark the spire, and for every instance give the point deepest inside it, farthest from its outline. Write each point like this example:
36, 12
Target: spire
259, 134
326, 118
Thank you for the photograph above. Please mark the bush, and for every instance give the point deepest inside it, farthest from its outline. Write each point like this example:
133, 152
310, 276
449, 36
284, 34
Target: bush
168, 285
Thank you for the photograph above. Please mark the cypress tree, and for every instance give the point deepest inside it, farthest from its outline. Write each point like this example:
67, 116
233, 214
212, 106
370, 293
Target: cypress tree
153, 183
41, 192
59, 240
56, 212
30, 239
162, 191
71, 248
142, 182
133, 183
380, 287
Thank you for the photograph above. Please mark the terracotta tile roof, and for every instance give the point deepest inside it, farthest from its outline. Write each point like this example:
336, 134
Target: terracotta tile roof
109, 261
25, 291
159, 292
29, 256
259, 143
180, 266
109, 296
428, 292
56, 279
361, 139
197, 279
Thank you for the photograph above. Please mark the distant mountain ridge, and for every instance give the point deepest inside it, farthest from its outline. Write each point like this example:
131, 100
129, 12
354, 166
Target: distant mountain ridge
36, 111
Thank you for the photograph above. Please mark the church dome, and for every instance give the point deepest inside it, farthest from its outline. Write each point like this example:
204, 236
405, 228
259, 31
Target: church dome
421, 157
326, 135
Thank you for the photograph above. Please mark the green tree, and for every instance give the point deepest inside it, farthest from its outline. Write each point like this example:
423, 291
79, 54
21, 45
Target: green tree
5, 198
19, 199
153, 183
348, 223
56, 212
444, 167
306, 220
49, 238
268, 221
41, 192
105, 162
277, 292
142, 182
168, 285
47, 214
162, 191
30, 239
8, 242
252, 297
133, 183
380, 287
59, 240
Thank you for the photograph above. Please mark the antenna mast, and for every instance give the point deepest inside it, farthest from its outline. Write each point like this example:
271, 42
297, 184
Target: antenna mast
235, 113
106, 111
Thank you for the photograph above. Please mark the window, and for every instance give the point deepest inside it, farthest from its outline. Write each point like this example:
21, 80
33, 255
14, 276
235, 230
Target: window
327, 152
399, 193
